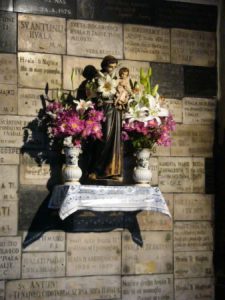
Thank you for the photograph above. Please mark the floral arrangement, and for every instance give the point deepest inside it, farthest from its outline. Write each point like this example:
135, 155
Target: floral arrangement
71, 122
147, 122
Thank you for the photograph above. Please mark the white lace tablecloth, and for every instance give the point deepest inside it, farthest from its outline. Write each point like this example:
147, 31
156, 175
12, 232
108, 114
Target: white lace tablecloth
70, 198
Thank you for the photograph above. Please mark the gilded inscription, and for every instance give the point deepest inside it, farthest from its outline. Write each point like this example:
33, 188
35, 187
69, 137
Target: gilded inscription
192, 47
146, 43
94, 39
41, 34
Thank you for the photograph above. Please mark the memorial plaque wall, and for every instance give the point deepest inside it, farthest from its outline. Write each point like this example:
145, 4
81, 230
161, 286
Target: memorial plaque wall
9, 156
8, 99
29, 101
8, 217
8, 182
176, 109
8, 68
8, 28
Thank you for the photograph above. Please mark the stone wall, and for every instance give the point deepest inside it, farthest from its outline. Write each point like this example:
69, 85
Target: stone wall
42, 41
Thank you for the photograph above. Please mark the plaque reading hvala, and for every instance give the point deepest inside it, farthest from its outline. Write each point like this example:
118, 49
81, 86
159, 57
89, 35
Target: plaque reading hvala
8, 182
151, 287
41, 34
189, 47
8, 99
10, 257
60, 8
94, 39
94, 254
146, 43
8, 28
8, 69
35, 70
8, 218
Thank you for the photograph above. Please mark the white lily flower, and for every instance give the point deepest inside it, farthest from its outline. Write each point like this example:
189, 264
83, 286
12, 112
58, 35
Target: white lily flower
83, 105
107, 86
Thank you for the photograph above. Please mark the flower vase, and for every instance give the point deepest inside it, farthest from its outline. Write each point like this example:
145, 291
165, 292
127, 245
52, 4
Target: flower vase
71, 171
142, 173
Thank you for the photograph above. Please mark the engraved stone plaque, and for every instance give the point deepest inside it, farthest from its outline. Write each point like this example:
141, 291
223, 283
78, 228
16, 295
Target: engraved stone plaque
193, 207
184, 175
2, 290
8, 99
8, 217
192, 140
12, 130
8, 29
29, 102
32, 173
146, 43
8, 182
9, 156
175, 107
61, 8
160, 151
41, 34
8, 68
94, 39
199, 110
79, 288
153, 164
10, 249
35, 70
170, 79
154, 257
38, 265
191, 47
78, 64
150, 220
147, 287
193, 264
50, 241
194, 288
94, 254
193, 236
6, 5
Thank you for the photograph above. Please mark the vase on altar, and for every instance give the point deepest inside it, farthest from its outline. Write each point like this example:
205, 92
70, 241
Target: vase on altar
142, 173
71, 171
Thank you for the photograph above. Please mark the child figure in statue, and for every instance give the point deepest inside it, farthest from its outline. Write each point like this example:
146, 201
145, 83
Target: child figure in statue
123, 89
107, 160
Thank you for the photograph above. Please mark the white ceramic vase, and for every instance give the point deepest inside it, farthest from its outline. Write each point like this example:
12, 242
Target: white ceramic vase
71, 171
142, 173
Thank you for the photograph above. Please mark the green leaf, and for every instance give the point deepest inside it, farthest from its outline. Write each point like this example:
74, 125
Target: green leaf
155, 89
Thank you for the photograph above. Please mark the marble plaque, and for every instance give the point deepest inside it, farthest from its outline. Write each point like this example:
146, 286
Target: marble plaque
8, 99
8, 68
50, 241
146, 43
189, 47
32, 173
193, 236
194, 289
154, 257
160, 151
193, 207
153, 164
61, 8
150, 220
192, 140
2, 290
10, 250
93, 254
76, 65
29, 102
199, 110
79, 288
170, 79
193, 264
175, 107
184, 175
8, 182
41, 34
94, 39
147, 287
8, 28
38, 265
195, 79
12, 130
6, 5
35, 70
9, 156
8, 217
